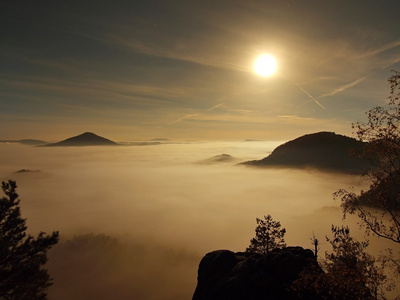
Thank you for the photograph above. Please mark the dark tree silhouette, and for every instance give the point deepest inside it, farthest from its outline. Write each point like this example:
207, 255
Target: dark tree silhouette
22, 256
379, 207
349, 272
352, 268
269, 236
315, 243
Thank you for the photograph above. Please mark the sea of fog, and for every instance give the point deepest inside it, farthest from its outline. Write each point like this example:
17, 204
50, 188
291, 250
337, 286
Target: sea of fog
136, 220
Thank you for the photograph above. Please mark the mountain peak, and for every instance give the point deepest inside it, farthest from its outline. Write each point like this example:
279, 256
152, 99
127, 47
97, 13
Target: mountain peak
88, 133
85, 139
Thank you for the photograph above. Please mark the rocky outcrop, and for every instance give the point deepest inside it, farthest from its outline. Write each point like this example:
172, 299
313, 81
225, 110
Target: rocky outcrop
224, 274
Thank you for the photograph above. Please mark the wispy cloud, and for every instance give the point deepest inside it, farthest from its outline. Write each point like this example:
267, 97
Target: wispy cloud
196, 54
216, 107
296, 118
189, 116
226, 109
343, 88
219, 112
113, 91
383, 48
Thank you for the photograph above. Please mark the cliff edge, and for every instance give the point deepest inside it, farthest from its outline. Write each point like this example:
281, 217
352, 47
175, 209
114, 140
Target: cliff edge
224, 275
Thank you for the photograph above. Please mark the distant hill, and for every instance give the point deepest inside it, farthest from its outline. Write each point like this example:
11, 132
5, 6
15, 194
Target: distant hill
221, 158
322, 150
26, 174
25, 142
28, 171
31, 142
160, 140
85, 139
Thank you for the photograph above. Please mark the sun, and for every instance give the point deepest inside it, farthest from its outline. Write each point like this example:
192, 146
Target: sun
265, 65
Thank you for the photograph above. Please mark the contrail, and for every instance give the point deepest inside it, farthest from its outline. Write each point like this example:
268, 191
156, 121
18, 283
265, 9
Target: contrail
183, 118
343, 88
216, 106
311, 97
305, 92
384, 48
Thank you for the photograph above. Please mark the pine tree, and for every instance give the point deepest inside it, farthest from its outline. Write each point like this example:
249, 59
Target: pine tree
22, 256
269, 236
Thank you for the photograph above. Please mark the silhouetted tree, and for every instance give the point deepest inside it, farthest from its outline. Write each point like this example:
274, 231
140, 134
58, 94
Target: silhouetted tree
382, 132
22, 256
315, 243
352, 268
269, 236
378, 208
349, 272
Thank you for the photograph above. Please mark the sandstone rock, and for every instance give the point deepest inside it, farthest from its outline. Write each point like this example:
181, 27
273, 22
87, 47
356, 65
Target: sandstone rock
224, 274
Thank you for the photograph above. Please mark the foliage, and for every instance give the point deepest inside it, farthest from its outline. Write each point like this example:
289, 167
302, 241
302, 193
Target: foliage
349, 272
269, 236
379, 207
356, 269
21, 256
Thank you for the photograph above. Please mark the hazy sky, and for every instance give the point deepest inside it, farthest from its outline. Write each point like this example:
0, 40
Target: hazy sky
132, 70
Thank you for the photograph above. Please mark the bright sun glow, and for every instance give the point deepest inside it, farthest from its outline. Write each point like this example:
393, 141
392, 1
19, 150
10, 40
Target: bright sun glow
265, 65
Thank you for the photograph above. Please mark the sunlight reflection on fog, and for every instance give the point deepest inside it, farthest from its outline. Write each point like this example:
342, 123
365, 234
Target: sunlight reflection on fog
161, 195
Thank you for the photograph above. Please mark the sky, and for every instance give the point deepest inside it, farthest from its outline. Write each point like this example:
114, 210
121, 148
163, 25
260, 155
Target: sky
183, 69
